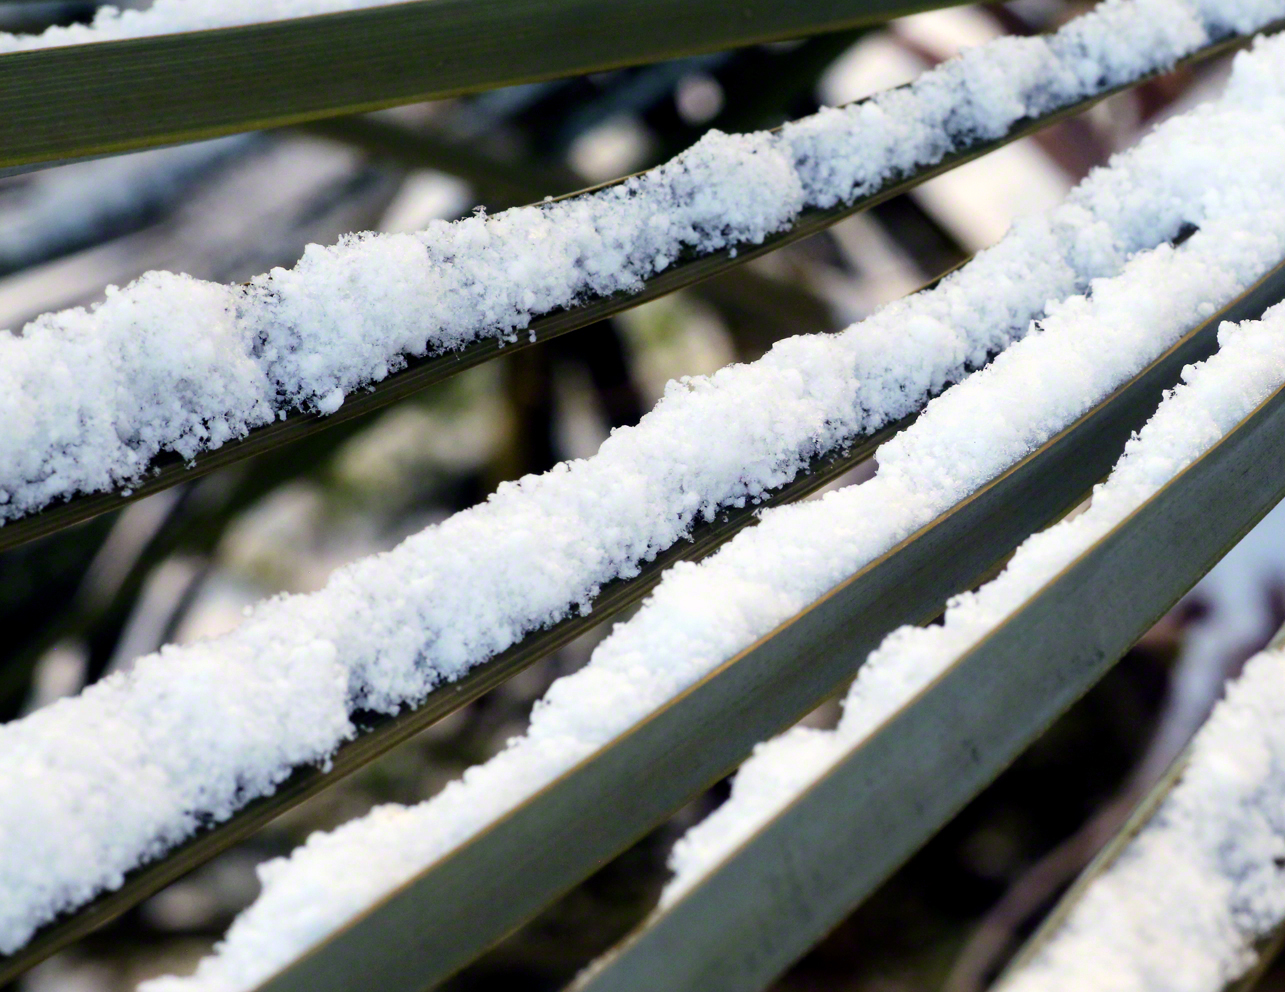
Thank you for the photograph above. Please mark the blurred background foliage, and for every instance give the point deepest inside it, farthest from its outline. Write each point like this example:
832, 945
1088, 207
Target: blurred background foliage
183, 564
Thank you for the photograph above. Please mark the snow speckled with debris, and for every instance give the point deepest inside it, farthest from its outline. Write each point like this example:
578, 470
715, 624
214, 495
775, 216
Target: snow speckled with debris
170, 363
1215, 397
703, 614
1183, 907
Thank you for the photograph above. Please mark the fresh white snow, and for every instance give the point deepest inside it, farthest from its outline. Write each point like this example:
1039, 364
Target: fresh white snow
170, 363
1184, 905
1215, 397
703, 614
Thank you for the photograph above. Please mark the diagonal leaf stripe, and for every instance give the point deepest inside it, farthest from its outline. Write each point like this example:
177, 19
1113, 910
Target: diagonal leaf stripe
114, 96
802, 872
481, 891
170, 469
1143, 814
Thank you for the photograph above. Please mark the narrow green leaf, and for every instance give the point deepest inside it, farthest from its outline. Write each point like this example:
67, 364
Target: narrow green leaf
800, 874
169, 469
454, 909
114, 96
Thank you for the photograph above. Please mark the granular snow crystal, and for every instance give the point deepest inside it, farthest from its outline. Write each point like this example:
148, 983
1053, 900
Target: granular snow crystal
1183, 907
90, 398
1215, 397
701, 615
191, 734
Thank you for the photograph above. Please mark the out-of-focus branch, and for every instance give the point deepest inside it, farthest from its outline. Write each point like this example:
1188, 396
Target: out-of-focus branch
759, 310
496, 181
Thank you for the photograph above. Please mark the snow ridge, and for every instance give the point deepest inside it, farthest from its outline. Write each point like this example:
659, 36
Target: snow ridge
1183, 907
1215, 397
702, 614
192, 734
174, 364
